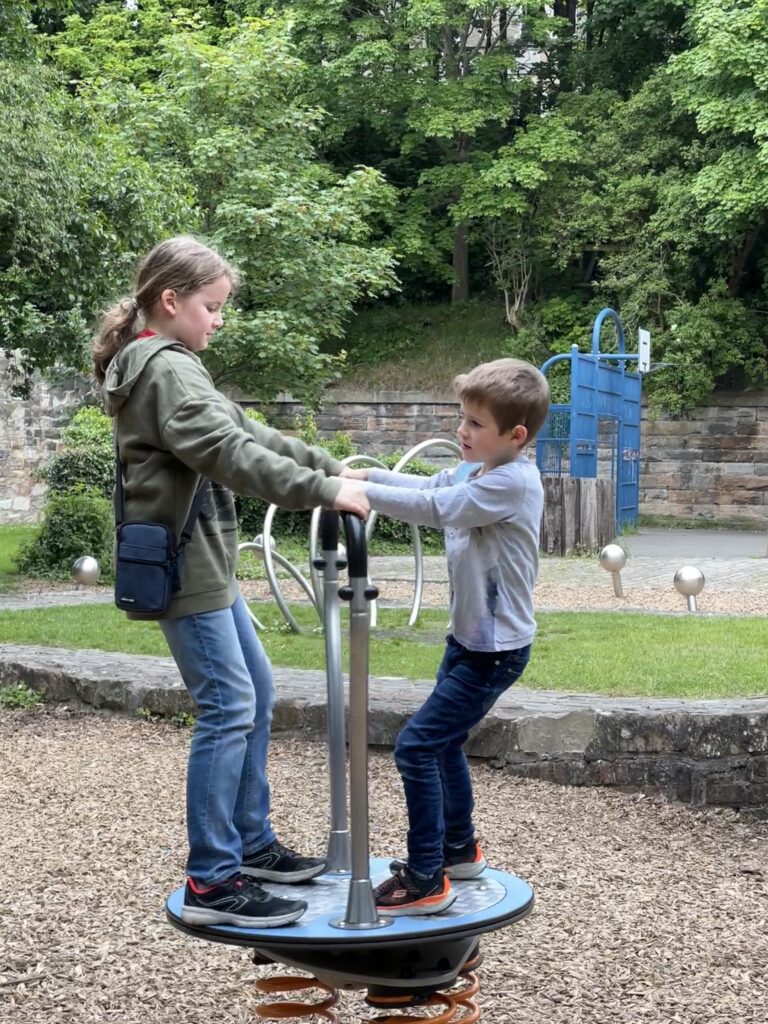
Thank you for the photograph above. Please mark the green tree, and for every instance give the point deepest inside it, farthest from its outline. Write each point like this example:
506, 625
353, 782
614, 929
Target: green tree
225, 116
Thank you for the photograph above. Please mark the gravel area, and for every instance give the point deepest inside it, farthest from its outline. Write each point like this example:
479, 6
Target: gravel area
552, 597
646, 912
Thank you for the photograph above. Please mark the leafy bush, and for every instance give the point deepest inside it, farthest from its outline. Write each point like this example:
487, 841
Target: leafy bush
89, 426
87, 468
74, 523
19, 697
88, 458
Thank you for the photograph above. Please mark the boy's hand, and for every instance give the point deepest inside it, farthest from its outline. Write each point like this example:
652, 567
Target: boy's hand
352, 498
354, 474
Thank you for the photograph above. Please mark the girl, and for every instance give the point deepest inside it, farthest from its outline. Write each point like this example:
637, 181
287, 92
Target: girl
172, 429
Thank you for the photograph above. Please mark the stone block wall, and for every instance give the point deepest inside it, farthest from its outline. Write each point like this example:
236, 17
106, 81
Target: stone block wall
29, 435
712, 464
377, 421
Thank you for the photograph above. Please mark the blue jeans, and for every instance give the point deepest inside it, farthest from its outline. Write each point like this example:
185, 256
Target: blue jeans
229, 677
429, 754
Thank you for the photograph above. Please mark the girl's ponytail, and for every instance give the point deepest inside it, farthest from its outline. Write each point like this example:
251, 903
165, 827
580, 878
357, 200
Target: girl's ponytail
118, 326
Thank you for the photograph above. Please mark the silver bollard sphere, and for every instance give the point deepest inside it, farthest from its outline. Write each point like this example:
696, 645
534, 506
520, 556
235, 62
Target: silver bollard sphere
613, 558
86, 570
689, 581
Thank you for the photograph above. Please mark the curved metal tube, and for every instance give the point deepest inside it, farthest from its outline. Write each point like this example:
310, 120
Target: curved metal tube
418, 583
270, 557
607, 314
315, 588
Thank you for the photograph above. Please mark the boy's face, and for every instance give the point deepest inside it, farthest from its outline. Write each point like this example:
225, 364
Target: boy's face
482, 441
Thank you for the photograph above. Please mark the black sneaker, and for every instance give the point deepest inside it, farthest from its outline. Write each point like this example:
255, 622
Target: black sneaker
460, 862
276, 863
238, 902
464, 861
407, 894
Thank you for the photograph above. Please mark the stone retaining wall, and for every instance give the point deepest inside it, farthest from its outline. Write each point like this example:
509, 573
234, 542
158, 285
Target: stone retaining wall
699, 752
712, 464
29, 435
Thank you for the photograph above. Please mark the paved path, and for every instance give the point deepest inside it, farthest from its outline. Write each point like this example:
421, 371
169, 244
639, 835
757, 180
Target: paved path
729, 560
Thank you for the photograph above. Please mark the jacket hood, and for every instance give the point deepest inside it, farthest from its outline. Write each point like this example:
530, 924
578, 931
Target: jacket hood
128, 365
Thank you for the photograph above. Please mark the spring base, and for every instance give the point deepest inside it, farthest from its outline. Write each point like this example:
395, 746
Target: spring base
322, 1008
456, 1006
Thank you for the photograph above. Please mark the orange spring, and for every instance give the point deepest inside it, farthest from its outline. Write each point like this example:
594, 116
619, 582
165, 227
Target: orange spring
459, 1007
290, 983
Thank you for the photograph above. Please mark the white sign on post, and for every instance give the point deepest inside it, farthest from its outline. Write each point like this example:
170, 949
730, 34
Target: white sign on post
643, 350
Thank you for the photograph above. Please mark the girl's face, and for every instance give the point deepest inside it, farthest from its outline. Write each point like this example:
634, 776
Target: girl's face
195, 317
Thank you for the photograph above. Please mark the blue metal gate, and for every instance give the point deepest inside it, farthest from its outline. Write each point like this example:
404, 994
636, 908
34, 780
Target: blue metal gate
603, 414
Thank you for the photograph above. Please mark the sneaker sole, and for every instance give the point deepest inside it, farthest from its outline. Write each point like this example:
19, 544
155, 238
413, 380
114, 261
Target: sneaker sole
201, 916
286, 877
465, 871
419, 909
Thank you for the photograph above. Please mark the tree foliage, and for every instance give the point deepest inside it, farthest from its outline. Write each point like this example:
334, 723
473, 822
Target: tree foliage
562, 156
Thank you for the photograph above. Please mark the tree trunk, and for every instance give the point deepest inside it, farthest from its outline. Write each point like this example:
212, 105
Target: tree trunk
460, 289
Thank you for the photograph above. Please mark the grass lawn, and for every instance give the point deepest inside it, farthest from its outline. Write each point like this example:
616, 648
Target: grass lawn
607, 653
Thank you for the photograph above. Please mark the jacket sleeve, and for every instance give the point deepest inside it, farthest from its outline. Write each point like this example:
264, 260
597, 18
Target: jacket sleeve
392, 479
200, 431
293, 447
491, 498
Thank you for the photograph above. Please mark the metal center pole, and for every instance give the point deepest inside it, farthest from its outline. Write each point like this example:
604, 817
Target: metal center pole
361, 907
338, 857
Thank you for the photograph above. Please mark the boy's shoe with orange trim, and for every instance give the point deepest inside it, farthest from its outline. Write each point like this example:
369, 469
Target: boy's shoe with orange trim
463, 862
405, 894
460, 862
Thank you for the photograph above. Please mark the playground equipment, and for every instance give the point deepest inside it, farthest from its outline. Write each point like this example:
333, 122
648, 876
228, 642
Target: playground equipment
613, 558
689, 581
598, 431
264, 544
341, 940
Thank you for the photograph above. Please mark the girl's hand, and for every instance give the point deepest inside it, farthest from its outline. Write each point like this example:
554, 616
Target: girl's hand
354, 474
352, 498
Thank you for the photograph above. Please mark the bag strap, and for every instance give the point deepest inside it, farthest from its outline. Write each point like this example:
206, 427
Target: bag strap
197, 503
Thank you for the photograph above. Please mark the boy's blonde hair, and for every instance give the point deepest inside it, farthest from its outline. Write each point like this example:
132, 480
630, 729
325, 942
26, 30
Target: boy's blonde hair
513, 391
181, 263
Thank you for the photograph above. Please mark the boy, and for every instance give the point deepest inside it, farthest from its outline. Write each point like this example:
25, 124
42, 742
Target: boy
491, 520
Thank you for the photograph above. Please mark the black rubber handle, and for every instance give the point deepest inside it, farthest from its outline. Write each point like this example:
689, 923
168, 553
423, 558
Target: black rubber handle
329, 529
357, 549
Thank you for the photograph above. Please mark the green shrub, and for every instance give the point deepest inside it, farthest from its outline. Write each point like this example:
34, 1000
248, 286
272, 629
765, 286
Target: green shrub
74, 523
89, 426
19, 697
88, 458
87, 468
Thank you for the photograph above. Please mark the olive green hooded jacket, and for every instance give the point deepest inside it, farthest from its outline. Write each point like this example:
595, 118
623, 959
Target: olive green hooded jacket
173, 427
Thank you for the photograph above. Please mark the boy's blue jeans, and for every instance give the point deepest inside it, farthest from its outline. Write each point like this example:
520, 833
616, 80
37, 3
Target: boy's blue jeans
228, 675
429, 754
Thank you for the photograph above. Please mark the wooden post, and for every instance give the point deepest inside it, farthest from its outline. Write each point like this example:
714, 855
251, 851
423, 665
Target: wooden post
578, 515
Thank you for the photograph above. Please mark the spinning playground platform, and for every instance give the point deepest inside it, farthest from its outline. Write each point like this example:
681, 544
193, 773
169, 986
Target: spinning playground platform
341, 939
